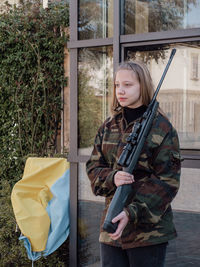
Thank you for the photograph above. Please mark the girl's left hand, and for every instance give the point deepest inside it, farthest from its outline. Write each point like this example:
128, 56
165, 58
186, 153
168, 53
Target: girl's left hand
123, 220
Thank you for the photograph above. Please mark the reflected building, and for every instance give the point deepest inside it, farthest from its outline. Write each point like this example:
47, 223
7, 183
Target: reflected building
181, 99
179, 96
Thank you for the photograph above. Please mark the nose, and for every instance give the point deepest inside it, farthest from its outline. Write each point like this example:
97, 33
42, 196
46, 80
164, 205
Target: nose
120, 91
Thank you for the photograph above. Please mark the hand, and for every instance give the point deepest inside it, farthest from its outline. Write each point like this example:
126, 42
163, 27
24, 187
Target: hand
123, 220
122, 177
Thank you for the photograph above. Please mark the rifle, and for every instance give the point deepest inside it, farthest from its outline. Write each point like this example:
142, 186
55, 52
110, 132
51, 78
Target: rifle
130, 154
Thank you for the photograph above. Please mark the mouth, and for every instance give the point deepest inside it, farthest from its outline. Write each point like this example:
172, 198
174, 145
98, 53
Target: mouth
121, 99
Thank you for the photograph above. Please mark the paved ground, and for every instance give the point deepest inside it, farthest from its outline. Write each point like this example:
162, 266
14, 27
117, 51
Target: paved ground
184, 251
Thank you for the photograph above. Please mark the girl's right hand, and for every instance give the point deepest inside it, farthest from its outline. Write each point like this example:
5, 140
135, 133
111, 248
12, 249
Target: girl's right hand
122, 177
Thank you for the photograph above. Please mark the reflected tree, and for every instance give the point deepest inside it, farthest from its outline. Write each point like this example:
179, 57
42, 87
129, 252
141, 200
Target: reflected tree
161, 15
168, 15
89, 111
85, 23
147, 55
93, 20
95, 77
90, 19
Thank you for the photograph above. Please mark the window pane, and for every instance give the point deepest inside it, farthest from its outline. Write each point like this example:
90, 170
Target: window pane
179, 96
95, 72
187, 200
186, 206
90, 209
186, 210
95, 19
154, 16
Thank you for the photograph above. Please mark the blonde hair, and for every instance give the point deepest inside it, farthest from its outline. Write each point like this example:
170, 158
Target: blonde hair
144, 78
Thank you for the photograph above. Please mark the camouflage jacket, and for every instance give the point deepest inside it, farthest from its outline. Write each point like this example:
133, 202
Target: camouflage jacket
156, 175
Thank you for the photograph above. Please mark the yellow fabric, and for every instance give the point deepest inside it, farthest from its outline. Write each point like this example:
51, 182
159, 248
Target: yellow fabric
31, 195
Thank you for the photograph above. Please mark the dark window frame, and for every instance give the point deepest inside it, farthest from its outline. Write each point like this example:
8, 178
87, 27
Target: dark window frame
119, 42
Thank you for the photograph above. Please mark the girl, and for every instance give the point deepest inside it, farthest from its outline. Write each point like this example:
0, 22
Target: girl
145, 225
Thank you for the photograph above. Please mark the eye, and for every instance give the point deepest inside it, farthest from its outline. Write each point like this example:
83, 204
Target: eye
128, 84
117, 85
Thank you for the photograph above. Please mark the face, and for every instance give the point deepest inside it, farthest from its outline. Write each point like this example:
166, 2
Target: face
128, 89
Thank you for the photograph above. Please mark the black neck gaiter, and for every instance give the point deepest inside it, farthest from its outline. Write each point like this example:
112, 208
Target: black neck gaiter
132, 114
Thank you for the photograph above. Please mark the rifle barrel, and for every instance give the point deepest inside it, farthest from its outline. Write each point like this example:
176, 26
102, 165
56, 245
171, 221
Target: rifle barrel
164, 74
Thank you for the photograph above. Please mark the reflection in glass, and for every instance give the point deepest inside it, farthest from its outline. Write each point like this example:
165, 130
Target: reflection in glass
186, 199
186, 208
187, 218
90, 209
154, 16
95, 19
95, 81
179, 96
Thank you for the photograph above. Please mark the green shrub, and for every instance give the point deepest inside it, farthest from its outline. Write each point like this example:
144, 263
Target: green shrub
31, 81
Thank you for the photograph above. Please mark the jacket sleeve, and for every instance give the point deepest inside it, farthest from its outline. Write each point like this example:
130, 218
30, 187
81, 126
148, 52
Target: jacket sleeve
101, 175
155, 194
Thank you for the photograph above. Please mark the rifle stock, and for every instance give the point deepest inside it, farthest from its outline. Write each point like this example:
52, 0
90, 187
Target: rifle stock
130, 155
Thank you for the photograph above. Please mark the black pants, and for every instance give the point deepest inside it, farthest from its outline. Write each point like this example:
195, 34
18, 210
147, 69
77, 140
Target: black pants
150, 256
